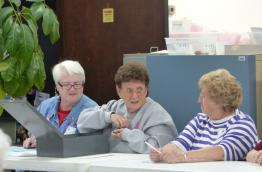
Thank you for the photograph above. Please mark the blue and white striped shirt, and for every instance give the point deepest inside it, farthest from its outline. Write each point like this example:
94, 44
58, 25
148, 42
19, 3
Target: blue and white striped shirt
235, 134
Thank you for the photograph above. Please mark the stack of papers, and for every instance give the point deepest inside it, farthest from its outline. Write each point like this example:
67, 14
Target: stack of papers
20, 151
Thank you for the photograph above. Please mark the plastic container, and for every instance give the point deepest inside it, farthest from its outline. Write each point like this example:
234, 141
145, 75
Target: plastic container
192, 43
257, 35
179, 46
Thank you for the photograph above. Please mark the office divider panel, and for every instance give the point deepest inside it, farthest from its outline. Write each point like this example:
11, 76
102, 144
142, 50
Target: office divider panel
174, 82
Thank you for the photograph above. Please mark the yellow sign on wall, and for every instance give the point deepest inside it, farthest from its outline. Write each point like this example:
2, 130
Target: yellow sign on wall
108, 15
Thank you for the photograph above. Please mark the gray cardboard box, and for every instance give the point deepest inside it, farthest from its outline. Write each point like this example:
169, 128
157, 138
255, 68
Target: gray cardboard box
50, 142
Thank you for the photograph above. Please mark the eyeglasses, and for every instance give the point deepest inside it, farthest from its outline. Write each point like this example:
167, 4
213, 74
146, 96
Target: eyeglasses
138, 91
68, 85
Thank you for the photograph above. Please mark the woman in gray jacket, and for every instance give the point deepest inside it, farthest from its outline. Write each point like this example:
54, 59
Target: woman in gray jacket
134, 118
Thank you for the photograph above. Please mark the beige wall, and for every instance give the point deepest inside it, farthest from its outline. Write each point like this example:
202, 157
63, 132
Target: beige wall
237, 15
259, 93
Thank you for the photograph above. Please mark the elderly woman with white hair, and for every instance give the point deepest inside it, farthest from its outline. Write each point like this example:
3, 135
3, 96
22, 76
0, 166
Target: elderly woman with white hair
62, 111
4, 145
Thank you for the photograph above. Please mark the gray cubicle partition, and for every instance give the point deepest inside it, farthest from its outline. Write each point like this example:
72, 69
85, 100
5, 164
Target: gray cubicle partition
174, 82
50, 142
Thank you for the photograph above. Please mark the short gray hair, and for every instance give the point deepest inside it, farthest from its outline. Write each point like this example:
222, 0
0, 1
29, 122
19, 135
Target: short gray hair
68, 67
5, 142
131, 71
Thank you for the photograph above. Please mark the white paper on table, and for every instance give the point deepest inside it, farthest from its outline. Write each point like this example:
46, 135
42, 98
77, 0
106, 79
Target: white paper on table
20, 151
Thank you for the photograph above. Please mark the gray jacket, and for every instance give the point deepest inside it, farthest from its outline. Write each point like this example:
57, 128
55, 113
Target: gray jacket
150, 123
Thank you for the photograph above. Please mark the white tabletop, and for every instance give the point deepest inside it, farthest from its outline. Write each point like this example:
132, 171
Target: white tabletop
122, 163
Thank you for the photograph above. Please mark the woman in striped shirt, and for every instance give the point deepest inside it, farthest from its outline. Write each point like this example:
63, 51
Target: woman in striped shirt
220, 132
255, 155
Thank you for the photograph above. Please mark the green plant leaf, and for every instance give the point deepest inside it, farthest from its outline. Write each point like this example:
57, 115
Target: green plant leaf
4, 13
9, 74
54, 34
21, 57
31, 23
2, 45
16, 2
2, 96
27, 14
11, 87
2, 91
1, 110
13, 39
50, 25
3, 66
1, 3
33, 27
40, 77
47, 21
26, 47
8, 23
18, 85
33, 68
37, 9
35, 0
22, 88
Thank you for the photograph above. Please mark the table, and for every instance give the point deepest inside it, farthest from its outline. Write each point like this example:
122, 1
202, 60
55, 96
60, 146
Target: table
115, 162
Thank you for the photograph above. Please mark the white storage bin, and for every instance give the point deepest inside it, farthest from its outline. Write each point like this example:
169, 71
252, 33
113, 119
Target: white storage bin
192, 43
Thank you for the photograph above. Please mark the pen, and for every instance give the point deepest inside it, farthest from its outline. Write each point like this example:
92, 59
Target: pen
151, 146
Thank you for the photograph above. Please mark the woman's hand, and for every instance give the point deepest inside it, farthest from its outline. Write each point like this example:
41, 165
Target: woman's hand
172, 154
30, 142
119, 120
255, 156
259, 157
117, 133
155, 156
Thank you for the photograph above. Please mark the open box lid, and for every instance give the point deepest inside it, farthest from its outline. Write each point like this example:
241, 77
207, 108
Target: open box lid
50, 142
29, 117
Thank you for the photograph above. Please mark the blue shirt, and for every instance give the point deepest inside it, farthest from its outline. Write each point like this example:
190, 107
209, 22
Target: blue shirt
49, 109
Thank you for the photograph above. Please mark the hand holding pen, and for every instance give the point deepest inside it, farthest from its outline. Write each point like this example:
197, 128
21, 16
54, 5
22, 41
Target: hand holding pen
154, 153
152, 147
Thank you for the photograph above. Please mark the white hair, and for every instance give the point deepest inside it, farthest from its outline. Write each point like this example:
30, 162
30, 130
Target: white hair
5, 142
68, 67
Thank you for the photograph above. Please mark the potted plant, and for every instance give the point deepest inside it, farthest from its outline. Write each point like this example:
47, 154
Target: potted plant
21, 57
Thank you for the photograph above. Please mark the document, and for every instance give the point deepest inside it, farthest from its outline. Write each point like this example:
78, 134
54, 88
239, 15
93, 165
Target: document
20, 151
